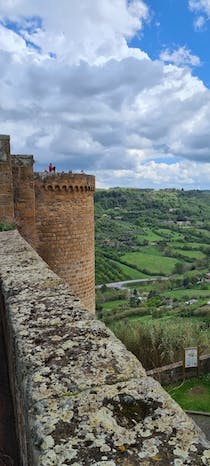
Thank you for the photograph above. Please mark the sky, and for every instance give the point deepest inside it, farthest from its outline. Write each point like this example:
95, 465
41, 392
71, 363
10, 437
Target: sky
117, 88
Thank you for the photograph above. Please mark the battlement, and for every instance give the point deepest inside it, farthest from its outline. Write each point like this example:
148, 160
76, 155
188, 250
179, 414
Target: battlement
22, 160
65, 182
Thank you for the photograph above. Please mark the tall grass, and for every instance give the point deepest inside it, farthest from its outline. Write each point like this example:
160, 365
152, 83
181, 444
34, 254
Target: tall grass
158, 344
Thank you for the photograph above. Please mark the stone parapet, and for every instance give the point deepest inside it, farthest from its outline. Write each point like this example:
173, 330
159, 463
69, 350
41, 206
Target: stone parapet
80, 397
66, 182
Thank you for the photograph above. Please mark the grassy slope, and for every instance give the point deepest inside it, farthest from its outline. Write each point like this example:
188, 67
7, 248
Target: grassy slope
193, 394
130, 221
156, 264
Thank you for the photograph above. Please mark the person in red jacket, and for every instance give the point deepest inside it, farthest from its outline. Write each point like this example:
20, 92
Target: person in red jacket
50, 168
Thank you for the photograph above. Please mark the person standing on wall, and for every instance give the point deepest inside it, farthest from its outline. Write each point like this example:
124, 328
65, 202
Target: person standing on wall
50, 168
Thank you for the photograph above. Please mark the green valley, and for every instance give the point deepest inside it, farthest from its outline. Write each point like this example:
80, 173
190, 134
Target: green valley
162, 237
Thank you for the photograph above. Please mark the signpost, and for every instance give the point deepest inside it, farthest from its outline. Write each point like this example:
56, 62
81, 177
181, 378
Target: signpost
191, 358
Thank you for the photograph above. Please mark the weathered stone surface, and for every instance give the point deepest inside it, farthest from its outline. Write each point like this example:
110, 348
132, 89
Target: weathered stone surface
81, 398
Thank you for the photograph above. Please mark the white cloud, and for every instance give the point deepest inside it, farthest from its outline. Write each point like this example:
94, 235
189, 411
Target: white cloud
97, 104
181, 56
199, 22
92, 30
202, 9
200, 5
157, 175
10, 42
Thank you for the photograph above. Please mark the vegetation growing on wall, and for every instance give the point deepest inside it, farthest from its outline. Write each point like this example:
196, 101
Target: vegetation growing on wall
7, 226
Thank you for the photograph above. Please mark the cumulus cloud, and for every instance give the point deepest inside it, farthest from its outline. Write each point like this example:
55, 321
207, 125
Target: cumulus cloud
181, 56
85, 30
73, 92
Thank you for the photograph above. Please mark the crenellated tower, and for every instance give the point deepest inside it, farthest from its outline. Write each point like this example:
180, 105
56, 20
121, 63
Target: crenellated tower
65, 229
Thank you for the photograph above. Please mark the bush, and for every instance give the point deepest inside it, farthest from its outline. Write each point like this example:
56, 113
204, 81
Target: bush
7, 226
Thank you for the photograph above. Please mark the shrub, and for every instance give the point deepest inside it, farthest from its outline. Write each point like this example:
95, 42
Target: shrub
7, 226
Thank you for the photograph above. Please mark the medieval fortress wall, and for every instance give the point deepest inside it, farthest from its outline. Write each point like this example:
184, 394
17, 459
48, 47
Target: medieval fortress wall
55, 214
80, 398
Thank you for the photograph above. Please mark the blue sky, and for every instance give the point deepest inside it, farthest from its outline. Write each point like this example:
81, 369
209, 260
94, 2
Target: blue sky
117, 88
172, 26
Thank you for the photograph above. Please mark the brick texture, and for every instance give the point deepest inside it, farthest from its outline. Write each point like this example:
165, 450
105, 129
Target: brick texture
55, 214
65, 228
6, 185
24, 196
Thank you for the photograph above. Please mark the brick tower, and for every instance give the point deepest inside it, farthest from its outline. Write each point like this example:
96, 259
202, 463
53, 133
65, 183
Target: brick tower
24, 196
55, 214
65, 230
6, 184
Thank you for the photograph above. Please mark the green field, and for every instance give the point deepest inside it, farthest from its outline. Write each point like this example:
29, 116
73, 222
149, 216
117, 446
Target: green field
188, 293
170, 234
131, 273
114, 304
187, 245
192, 394
149, 235
153, 263
195, 254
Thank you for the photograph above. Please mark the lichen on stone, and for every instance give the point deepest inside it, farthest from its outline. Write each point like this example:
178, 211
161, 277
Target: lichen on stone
84, 399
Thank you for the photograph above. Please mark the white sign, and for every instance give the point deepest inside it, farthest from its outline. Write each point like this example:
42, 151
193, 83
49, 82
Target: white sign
191, 357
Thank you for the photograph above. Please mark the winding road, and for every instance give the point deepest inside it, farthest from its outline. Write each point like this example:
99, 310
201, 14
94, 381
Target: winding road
120, 285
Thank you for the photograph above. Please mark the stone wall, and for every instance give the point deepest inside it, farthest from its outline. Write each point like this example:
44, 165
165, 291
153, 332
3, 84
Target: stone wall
55, 214
6, 184
80, 397
24, 196
65, 228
